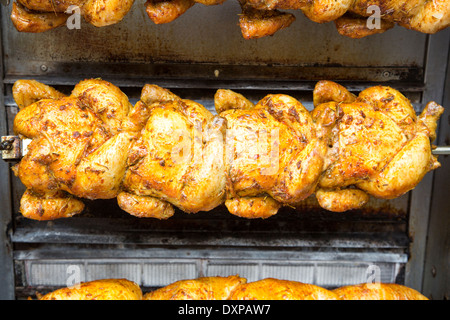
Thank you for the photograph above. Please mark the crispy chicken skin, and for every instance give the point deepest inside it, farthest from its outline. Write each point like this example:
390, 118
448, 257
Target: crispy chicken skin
378, 145
357, 28
42, 15
27, 92
42, 207
225, 99
275, 289
161, 12
204, 288
378, 291
272, 151
419, 15
144, 206
50, 5
105, 289
166, 152
259, 18
25, 20
177, 157
102, 13
78, 145
258, 23
231, 288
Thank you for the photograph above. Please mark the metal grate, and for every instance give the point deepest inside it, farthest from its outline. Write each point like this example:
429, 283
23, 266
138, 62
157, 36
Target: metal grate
150, 274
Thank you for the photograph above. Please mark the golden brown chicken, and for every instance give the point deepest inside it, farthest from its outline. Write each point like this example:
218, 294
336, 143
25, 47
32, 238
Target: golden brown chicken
231, 288
204, 288
42, 15
105, 289
378, 146
378, 291
259, 18
275, 152
357, 27
77, 147
275, 289
166, 152
25, 20
419, 15
360, 18
177, 159
258, 23
166, 11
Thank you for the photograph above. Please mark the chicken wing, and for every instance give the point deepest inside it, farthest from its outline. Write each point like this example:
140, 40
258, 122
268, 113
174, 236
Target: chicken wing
25, 20
258, 23
161, 12
275, 289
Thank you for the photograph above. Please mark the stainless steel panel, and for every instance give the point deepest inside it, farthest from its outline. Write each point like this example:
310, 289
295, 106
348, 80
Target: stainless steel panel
153, 268
6, 261
436, 277
419, 212
205, 36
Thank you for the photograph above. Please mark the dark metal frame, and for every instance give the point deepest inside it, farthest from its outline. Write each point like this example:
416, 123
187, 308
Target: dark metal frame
6, 252
428, 222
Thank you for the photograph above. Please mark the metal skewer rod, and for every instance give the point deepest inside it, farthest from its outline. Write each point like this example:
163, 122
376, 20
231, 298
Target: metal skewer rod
441, 150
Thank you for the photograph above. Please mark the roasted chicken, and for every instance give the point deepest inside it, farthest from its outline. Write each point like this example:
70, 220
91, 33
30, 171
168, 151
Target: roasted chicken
360, 18
105, 289
259, 18
378, 145
78, 149
259, 23
231, 288
204, 288
41, 15
275, 152
166, 152
177, 158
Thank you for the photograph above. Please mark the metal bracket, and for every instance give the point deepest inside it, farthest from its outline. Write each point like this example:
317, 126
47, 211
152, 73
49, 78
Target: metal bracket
5, 2
13, 147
